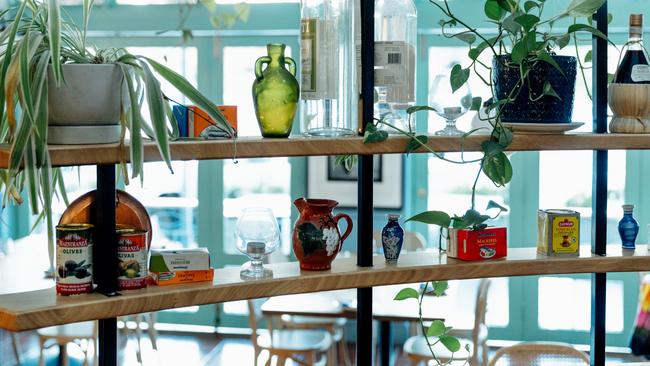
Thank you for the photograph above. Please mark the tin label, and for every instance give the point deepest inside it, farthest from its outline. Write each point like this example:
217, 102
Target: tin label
74, 262
132, 261
565, 234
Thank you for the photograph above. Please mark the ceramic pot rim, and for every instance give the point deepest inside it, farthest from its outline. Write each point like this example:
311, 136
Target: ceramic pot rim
319, 202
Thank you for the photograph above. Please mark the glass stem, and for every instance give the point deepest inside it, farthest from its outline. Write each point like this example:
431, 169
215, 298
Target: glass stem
256, 265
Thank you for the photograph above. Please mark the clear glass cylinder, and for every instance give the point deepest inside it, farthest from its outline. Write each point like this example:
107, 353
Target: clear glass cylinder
395, 61
327, 68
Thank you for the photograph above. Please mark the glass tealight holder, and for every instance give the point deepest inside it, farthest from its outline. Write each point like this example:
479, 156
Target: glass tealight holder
258, 235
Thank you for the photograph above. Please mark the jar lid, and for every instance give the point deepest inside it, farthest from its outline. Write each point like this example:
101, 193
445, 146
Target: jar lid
255, 247
628, 208
392, 217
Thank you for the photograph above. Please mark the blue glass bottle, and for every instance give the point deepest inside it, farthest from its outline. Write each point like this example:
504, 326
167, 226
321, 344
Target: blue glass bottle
628, 227
392, 238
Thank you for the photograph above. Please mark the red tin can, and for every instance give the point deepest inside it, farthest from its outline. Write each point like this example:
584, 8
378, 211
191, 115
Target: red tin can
133, 258
477, 245
74, 258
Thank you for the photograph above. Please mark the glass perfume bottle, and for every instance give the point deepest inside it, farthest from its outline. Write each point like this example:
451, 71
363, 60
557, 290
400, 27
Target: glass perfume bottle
628, 227
327, 65
395, 59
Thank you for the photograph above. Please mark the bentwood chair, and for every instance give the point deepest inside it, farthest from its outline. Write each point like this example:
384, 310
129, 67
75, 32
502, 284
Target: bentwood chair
539, 353
82, 334
303, 346
418, 351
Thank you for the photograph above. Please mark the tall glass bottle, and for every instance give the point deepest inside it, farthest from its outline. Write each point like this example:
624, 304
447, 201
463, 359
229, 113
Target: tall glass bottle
328, 93
395, 59
634, 68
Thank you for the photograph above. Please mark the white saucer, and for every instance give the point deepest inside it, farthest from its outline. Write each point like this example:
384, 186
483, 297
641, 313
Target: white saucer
542, 128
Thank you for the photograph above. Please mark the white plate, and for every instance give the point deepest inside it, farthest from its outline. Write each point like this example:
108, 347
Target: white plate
542, 128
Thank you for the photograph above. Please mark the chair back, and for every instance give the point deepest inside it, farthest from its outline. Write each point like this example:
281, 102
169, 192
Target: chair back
480, 330
413, 241
539, 353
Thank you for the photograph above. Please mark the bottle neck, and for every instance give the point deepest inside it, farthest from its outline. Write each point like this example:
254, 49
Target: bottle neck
635, 42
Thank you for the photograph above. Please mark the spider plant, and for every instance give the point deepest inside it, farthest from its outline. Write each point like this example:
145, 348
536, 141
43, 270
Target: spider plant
37, 38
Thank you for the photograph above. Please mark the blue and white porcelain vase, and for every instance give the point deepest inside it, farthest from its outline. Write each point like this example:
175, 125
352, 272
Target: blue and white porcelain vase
628, 227
392, 238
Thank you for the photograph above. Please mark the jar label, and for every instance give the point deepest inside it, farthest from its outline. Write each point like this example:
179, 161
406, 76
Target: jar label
640, 73
319, 59
395, 70
74, 264
132, 257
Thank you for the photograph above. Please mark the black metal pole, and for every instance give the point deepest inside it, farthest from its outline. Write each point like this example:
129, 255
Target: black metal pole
365, 184
386, 342
599, 191
105, 259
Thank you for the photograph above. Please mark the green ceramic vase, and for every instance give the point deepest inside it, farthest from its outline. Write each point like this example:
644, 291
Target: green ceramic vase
275, 92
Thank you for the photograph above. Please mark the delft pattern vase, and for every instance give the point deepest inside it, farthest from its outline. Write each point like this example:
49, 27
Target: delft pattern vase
392, 238
275, 92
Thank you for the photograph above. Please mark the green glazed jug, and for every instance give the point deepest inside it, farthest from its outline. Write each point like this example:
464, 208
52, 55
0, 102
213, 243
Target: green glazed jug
275, 92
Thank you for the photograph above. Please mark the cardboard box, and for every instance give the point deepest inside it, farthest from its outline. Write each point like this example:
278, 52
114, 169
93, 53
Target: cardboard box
172, 267
477, 245
194, 122
201, 125
558, 232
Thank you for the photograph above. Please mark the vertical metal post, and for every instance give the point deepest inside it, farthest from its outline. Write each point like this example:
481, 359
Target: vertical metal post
599, 192
386, 342
105, 259
365, 185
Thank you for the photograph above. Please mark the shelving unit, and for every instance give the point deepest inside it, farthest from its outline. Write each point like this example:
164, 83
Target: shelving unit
42, 308
257, 147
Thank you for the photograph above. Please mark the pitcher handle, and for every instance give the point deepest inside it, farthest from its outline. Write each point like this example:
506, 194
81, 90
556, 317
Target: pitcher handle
258, 65
348, 230
292, 65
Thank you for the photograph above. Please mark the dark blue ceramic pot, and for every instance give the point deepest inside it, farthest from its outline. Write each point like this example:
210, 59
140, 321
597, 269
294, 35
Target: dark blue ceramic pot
548, 109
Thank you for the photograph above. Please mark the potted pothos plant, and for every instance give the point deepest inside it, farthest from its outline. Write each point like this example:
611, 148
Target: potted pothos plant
529, 83
42, 54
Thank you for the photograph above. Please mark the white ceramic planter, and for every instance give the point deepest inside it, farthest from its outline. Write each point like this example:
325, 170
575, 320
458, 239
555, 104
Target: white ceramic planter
85, 109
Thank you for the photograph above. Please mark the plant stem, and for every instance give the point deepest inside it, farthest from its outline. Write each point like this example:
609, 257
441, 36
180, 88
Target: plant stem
476, 182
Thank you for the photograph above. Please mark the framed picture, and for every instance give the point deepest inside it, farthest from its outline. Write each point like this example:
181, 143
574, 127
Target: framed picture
325, 179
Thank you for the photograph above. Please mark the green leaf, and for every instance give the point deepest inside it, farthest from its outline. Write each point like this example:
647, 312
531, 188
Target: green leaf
589, 56
573, 28
528, 5
493, 10
459, 77
439, 218
528, 21
416, 143
407, 293
498, 168
439, 288
183, 86
548, 90
135, 125
436, 329
477, 103
563, 40
451, 343
468, 38
508, 5
510, 25
519, 52
473, 218
491, 148
419, 108
543, 55
504, 136
373, 135
157, 113
9, 51
493, 204
54, 36
583, 8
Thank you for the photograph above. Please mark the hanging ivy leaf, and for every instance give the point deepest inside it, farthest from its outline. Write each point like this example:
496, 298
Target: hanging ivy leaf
493, 10
373, 134
451, 343
459, 77
498, 168
466, 37
528, 21
406, 293
439, 218
548, 90
416, 142
436, 329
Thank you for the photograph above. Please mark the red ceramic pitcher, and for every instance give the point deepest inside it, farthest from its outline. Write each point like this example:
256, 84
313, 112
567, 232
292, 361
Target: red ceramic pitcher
316, 236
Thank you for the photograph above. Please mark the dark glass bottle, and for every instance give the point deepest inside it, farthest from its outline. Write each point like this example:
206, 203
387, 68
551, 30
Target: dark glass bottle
634, 68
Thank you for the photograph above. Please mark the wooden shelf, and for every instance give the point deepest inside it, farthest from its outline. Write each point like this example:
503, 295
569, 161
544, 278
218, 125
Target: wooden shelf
306, 146
31, 310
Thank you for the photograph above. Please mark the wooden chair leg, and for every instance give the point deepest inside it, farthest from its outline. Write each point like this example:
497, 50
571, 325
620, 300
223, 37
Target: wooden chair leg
41, 358
153, 334
343, 351
14, 344
138, 338
282, 360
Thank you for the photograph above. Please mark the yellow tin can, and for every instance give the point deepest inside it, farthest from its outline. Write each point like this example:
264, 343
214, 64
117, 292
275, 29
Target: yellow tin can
558, 232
